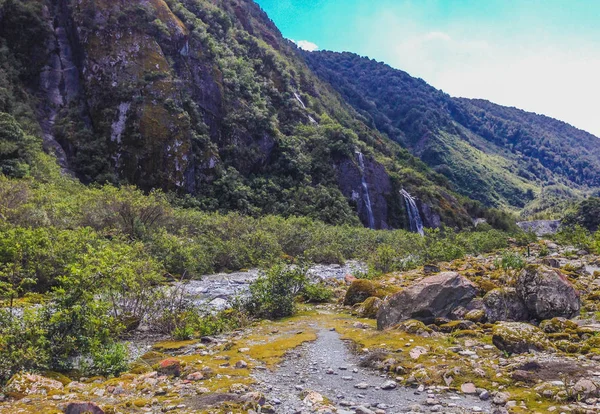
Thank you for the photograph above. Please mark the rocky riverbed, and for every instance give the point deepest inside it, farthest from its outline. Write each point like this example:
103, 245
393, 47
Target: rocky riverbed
216, 291
459, 337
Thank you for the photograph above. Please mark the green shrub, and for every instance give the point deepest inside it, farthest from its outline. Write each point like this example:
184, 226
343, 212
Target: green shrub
586, 214
272, 294
108, 360
183, 332
316, 293
23, 343
576, 236
206, 323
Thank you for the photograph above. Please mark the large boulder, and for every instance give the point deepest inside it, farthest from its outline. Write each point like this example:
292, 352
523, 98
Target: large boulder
433, 297
547, 293
519, 338
505, 304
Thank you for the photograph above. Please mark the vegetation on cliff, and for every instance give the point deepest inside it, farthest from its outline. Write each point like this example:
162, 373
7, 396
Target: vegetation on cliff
498, 155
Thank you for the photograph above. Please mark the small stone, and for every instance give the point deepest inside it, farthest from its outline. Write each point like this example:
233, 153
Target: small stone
468, 388
363, 410
361, 386
417, 351
389, 385
241, 364
484, 395
195, 376
500, 398
313, 398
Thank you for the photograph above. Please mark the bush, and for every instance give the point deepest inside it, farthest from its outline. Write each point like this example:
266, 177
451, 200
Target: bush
223, 321
23, 343
317, 293
272, 294
576, 236
586, 214
108, 360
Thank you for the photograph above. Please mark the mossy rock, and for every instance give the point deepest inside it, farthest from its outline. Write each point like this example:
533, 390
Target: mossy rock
475, 315
557, 336
566, 345
519, 338
369, 308
456, 326
153, 357
362, 289
22, 384
461, 333
487, 285
172, 346
412, 326
139, 367
556, 325
58, 377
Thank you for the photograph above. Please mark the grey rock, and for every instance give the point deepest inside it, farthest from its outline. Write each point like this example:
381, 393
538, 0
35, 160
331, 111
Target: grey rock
389, 385
433, 297
363, 410
505, 304
547, 293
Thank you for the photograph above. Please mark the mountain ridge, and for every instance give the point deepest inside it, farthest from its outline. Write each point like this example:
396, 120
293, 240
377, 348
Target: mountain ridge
431, 124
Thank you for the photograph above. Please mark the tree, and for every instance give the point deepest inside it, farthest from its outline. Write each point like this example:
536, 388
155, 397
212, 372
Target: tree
17, 149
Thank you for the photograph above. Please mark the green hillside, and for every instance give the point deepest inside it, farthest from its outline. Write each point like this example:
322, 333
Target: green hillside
501, 156
202, 99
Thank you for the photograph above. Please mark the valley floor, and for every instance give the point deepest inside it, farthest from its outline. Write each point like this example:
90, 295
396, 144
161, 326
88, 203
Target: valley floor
329, 358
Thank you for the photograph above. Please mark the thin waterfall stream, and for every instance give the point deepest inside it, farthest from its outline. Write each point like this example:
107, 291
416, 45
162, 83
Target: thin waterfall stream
365, 188
414, 217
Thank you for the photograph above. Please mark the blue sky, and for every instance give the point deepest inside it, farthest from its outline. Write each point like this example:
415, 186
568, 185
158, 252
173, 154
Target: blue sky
539, 55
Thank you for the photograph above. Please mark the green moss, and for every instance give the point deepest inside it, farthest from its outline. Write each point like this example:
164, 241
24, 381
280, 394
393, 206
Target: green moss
170, 346
362, 289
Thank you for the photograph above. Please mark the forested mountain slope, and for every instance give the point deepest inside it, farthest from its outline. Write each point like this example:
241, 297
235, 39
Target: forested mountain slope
498, 155
199, 98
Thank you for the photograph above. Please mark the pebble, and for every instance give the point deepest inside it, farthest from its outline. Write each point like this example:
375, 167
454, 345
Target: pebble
361, 386
389, 385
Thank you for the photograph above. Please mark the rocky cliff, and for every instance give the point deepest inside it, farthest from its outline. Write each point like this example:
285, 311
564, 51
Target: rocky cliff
204, 98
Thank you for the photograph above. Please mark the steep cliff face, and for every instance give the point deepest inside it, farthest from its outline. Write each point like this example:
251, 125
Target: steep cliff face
206, 98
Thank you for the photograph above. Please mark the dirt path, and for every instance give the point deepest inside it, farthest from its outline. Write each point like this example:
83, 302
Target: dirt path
327, 367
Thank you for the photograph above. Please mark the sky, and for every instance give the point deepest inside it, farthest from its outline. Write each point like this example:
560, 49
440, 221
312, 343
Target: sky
539, 55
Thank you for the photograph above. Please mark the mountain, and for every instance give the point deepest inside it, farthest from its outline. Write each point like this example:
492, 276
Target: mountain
205, 100
500, 156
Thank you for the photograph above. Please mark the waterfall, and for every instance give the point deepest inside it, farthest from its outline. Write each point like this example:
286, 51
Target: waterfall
365, 188
299, 99
118, 127
414, 217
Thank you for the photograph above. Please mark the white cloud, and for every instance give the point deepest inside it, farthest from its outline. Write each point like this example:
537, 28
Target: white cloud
535, 71
544, 80
306, 45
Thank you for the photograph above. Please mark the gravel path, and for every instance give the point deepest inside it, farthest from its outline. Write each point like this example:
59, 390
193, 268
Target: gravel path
327, 367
